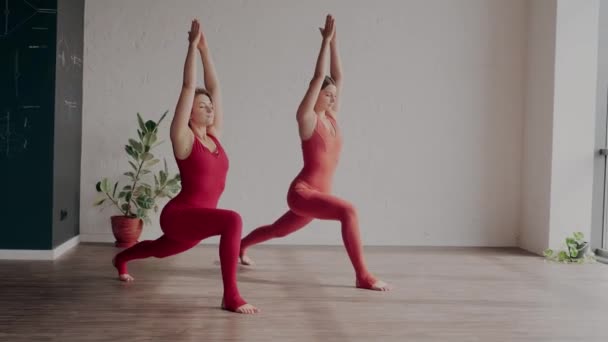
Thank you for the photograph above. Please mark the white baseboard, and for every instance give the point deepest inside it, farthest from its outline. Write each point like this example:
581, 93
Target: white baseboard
50, 254
66, 246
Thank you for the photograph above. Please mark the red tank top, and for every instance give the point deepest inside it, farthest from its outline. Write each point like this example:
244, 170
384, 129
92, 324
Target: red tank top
203, 176
321, 153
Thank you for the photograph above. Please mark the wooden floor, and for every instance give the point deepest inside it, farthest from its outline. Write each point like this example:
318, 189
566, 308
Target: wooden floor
306, 293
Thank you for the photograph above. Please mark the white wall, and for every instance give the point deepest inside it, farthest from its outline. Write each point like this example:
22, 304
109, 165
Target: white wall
560, 123
432, 110
538, 126
576, 66
598, 238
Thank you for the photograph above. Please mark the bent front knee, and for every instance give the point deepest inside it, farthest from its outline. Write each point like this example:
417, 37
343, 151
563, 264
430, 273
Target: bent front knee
234, 221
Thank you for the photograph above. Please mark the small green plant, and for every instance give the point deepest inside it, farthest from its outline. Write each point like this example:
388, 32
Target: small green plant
138, 197
575, 250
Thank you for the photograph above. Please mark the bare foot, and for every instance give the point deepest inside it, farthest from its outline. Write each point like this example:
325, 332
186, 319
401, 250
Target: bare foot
374, 285
125, 276
245, 260
246, 309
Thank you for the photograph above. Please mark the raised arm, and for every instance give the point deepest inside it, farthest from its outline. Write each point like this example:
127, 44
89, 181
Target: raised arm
305, 114
213, 87
181, 135
336, 70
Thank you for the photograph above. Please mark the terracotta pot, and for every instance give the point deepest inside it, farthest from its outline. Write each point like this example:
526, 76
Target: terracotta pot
126, 230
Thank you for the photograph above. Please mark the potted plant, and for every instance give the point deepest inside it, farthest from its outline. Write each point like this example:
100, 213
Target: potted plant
135, 199
575, 250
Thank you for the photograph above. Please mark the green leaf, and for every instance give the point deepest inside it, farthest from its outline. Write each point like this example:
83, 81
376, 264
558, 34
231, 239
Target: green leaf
99, 202
173, 190
140, 121
578, 235
147, 156
548, 253
150, 126
146, 139
131, 152
166, 170
153, 139
145, 202
563, 256
149, 139
98, 186
145, 172
114, 191
122, 194
573, 252
172, 182
162, 118
156, 181
105, 185
135, 168
124, 208
152, 162
127, 187
141, 213
143, 187
130, 174
163, 177
136, 145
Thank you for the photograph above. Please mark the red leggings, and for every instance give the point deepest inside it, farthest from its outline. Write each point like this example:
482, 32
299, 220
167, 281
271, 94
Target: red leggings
307, 203
184, 229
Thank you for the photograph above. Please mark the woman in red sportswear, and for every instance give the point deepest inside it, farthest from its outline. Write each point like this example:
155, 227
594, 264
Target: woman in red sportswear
193, 214
309, 195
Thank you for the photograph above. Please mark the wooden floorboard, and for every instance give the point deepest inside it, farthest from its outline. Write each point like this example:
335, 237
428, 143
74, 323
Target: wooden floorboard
306, 294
